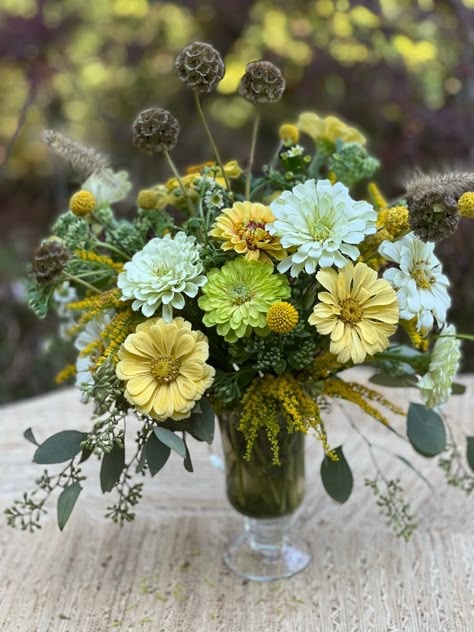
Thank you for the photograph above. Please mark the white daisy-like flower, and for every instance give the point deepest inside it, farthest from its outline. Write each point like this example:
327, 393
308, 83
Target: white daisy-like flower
323, 223
161, 274
89, 334
436, 385
295, 151
107, 186
422, 288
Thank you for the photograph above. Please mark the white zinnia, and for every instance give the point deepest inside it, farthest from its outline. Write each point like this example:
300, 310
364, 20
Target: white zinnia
89, 334
422, 288
322, 222
161, 273
435, 385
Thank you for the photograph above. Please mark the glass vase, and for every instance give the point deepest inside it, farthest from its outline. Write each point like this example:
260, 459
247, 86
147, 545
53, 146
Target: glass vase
267, 495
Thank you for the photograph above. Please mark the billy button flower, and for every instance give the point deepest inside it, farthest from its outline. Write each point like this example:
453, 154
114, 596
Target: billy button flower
147, 199
82, 203
282, 317
466, 205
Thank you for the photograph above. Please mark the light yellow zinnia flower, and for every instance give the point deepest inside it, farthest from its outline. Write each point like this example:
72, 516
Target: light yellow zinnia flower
359, 311
329, 128
243, 228
164, 367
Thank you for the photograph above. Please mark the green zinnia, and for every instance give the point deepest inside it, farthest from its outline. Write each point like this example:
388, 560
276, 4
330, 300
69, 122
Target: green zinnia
237, 296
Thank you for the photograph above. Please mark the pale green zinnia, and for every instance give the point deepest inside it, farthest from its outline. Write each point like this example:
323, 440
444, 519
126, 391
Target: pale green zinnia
237, 297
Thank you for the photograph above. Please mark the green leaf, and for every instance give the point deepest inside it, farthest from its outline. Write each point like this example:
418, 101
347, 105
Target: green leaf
188, 464
112, 465
66, 501
29, 436
383, 379
425, 430
280, 366
337, 477
203, 423
157, 453
60, 447
457, 389
470, 452
170, 439
86, 453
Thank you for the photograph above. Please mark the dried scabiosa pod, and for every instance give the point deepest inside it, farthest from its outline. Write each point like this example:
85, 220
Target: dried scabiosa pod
155, 130
200, 67
262, 83
433, 203
49, 262
82, 159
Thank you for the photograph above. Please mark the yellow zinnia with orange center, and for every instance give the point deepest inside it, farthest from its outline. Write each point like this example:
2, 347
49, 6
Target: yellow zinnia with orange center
164, 367
359, 311
243, 228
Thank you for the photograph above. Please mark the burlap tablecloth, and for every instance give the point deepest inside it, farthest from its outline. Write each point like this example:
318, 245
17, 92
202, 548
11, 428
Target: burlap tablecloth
164, 572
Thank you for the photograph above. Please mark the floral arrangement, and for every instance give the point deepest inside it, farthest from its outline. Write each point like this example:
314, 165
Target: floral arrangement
227, 290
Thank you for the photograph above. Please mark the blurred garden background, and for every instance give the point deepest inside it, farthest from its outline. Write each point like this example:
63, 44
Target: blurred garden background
402, 71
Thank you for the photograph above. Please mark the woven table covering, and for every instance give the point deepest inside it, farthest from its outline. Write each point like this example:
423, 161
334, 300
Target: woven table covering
164, 572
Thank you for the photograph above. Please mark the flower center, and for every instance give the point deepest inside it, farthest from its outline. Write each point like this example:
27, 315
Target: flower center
320, 229
253, 232
351, 311
240, 294
165, 368
422, 279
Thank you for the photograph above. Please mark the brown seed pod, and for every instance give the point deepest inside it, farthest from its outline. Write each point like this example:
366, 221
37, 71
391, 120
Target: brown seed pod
200, 67
155, 130
262, 83
49, 262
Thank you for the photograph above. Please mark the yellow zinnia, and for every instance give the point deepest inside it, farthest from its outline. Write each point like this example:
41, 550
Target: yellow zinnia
194, 172
329, 129
359, 311
164, 367
243, 228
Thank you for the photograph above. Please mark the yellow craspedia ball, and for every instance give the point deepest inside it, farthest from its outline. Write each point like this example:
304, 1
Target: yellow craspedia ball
466, 205
289, 133
282, 317
147, 199
396, 220
82, 203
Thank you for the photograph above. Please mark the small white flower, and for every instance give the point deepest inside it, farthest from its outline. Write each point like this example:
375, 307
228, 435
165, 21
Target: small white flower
323, 223
89, 334
107, 186
161, 274
435, 385
214, 197
422, 288
295, 151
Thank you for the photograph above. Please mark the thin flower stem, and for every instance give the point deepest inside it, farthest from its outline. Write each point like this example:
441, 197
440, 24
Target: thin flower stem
210, 137
178, 178
252, 154
103, 244
76, 279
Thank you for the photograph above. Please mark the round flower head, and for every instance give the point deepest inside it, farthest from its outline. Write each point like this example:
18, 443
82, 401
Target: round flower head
82, 203
435, 385
161, 274
155, 130
243, 228
321, 223
147, 199
289, 134
164, 367
49, 262
422, 288
262, 83
238, 295
395, 220
200, 66
282, 317
359, 311
433, 217
466, 205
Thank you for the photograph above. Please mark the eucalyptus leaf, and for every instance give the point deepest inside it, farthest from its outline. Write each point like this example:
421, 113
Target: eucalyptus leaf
86, 453
60, 447
337, 477
170, 439
66, 501
470, 452
457, 389
157, 454
203, 423
425, 430
111, 468
384, 379
29, 436
188, 464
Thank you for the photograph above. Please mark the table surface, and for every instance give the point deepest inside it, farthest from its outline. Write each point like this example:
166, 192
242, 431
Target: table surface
164, 572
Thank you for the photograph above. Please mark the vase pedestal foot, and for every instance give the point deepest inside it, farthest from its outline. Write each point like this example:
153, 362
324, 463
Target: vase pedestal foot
267, 550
